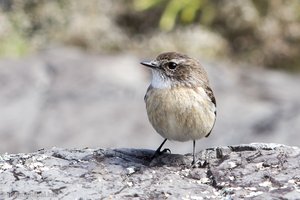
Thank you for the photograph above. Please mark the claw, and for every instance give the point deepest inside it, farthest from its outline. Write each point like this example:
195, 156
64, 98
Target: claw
158, 153
165, 151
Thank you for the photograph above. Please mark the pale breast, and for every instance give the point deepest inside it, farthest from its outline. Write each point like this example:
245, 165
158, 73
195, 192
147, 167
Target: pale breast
180, 113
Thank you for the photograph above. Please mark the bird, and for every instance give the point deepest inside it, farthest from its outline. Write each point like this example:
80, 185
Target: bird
180, 103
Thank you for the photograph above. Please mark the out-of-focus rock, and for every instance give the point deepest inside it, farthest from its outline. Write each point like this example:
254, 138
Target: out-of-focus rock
67, 98
44, 98
256, 171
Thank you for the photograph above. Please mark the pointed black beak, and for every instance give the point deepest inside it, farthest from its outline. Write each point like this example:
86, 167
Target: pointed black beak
149, 64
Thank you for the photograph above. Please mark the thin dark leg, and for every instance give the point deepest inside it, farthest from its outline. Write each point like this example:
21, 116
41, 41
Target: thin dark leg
157, 152
194, 144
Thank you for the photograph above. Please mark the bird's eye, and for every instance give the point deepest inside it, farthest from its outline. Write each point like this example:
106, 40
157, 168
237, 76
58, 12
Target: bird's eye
172, 65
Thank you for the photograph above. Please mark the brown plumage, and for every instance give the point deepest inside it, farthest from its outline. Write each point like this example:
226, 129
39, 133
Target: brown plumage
180, 103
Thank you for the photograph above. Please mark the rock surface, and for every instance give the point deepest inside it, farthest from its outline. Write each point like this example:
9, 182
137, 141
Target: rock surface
255, 171
70, 99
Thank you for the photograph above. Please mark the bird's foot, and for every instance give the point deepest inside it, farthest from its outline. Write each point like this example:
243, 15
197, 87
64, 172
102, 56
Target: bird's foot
158, 153
165, 151
199, 164
193, 163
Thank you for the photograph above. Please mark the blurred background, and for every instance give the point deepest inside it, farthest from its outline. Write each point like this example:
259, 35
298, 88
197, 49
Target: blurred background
70, 73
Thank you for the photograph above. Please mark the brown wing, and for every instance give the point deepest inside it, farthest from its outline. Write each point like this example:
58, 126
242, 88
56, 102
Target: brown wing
210, 94
149, 88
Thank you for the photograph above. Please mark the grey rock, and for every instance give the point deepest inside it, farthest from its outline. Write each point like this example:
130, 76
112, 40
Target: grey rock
254, 171
67, 98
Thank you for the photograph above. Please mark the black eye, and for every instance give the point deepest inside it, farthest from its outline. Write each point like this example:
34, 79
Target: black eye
172, 65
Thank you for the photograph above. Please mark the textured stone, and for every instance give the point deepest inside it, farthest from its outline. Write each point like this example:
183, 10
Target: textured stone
256, 171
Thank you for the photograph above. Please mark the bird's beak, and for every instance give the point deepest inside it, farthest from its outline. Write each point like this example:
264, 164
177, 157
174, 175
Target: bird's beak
151, 64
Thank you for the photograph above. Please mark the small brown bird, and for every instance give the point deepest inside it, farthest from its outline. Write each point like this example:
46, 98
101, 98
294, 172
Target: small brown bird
180, 103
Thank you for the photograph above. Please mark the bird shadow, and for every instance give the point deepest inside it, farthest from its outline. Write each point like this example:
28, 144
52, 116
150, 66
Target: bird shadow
144, 157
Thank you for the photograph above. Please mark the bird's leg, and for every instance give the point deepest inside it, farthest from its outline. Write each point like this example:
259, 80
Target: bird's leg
158, 151
194, 144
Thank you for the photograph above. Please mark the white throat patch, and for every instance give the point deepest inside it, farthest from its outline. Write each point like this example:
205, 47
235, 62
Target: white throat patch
159, 82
